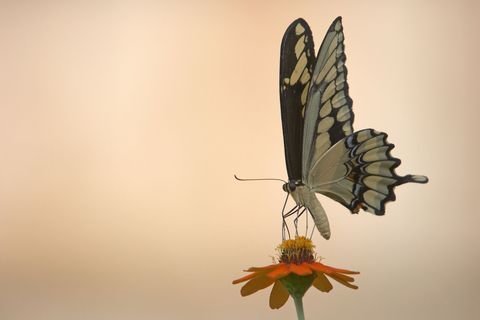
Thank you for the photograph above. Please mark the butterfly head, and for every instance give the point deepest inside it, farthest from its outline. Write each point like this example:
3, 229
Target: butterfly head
290, 186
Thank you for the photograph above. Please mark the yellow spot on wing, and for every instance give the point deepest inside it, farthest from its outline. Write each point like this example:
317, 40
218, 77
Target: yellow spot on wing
305, 76
382, 168
376, 154
325, 68
347, 128
329, 92
304, 95
363, 135
343, 114
300, 46
299, 29
325, 124
326, 108
373, 198
297, 72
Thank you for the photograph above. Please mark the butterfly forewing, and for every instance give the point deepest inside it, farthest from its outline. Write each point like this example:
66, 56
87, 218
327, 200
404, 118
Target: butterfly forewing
329, 115
296, 63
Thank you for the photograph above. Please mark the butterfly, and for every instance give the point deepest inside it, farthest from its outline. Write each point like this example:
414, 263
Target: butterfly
323, 154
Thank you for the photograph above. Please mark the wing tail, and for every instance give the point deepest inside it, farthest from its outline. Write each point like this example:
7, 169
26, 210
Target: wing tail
415, 178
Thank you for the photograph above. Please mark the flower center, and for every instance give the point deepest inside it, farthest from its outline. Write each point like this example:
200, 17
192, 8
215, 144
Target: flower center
296, 251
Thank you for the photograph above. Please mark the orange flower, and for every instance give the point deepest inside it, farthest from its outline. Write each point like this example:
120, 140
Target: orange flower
295, 273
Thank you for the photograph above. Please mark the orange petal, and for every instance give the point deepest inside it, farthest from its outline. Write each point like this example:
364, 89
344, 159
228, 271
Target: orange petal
256, 272
261, 269
344, 277
245, 278
342, 281
279, 272
300, 269
321, 283
255, 284
317, 266
278, 296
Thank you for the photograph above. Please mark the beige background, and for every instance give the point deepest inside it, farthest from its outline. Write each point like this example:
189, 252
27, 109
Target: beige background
123, 122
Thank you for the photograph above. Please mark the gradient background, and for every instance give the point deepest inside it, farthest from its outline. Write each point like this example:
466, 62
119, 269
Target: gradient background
123, 122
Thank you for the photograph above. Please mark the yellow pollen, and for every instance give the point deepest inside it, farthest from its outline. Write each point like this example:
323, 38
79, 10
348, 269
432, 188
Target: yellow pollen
297, 244
297, 251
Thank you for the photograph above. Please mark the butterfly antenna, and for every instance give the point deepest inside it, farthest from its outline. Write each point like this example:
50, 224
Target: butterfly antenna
259, 179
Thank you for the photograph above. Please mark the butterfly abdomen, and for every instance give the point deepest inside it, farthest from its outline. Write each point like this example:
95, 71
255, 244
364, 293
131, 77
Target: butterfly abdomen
303, 196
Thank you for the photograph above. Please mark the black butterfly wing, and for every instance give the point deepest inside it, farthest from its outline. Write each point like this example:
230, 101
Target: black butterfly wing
297, 58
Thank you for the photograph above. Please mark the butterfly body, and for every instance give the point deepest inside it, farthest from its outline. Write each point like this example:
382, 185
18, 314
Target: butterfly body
305, 197
323, 154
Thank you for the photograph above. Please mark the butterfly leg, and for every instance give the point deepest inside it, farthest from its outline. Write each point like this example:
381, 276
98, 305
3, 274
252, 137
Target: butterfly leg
300, 211
285, 215
292, 211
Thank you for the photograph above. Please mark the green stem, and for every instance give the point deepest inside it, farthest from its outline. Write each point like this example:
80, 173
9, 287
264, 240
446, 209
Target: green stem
299, 307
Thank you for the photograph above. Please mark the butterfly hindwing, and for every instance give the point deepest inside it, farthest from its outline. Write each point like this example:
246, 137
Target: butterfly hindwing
329, 115
296, 63
359, 172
